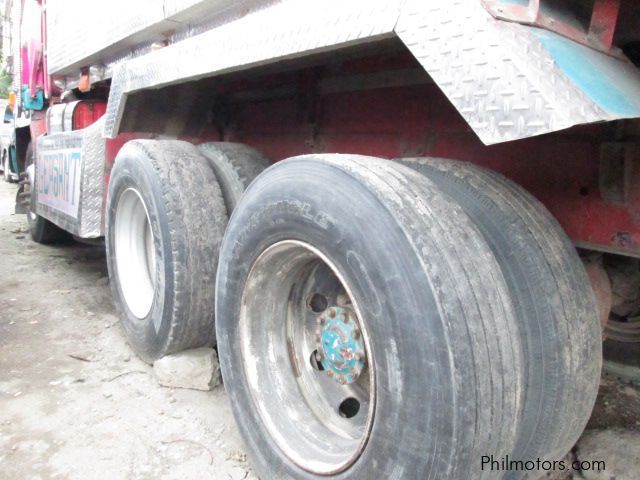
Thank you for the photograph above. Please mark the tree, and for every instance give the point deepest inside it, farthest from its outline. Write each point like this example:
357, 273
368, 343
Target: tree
5, 83
6, 79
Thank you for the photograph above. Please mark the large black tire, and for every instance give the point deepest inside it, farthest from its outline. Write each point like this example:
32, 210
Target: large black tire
235, 166
555, 307
41, 230
186, 217
432, 299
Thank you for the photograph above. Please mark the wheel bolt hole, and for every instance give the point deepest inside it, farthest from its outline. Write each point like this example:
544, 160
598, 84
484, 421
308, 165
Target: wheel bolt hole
316, 364
318, 303
349, 408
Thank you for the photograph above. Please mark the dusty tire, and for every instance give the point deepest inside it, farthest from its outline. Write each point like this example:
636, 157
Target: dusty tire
443, 360
41, 230
235, 166
552, 297
165, 222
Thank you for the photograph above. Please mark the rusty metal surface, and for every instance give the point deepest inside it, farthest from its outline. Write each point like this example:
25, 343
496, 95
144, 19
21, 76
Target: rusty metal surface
600, 284
604, 20
562, 170
554, 16
624, 322
612, 172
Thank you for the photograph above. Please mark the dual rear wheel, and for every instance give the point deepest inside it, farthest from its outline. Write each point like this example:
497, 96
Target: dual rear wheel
167, 210
405, 319
373, 319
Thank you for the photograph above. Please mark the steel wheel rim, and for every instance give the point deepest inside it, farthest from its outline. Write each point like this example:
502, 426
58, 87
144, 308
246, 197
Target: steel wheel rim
317, 422
135, 253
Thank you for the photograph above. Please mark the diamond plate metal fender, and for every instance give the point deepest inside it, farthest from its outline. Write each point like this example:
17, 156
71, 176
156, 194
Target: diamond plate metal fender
70, 180
508, 81
513, 81
114, 28
284, 30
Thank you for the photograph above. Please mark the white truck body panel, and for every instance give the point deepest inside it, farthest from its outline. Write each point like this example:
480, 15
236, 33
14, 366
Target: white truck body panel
82, 33
509, 81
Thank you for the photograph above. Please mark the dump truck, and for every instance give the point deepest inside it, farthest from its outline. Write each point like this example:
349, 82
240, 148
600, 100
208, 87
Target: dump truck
405, 225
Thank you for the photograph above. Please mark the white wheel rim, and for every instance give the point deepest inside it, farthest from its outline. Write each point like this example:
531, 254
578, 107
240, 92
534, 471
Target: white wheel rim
135, 253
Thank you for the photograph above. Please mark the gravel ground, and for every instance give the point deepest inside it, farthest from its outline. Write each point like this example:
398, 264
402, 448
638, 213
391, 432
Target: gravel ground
75, 402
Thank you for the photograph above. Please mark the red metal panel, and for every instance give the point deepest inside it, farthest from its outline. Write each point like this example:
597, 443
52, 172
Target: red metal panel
562, 170
87, 113
112, 147
599, 34
288, 114
604, 21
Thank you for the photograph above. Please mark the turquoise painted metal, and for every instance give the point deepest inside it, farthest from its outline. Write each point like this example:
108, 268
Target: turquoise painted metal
341, 345
611, 83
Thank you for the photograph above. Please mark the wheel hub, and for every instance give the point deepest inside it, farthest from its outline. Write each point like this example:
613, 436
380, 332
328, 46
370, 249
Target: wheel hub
341, 348
293, 297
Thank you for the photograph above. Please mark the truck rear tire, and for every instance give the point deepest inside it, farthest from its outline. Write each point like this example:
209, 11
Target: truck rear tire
41, 230
235, 166
364, 328
558, 317
165, 222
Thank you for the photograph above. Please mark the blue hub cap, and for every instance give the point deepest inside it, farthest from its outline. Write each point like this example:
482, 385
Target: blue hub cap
341, 346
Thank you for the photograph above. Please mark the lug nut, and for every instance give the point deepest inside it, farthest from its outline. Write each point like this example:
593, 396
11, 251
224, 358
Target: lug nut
332, 312
330, 373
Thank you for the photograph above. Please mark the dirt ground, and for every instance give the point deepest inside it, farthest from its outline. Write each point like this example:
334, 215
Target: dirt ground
75, 402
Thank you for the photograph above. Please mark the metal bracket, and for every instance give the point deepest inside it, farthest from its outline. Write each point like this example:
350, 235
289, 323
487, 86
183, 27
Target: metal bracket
549, 15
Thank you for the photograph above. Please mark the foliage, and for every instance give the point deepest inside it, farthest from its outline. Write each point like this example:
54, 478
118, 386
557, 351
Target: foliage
5, 83
5, 79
